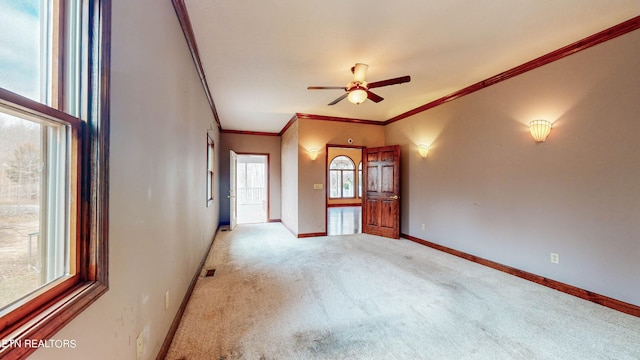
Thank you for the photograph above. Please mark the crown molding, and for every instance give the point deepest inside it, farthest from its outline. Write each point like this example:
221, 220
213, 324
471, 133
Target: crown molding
185, 23
246, 132
338, 119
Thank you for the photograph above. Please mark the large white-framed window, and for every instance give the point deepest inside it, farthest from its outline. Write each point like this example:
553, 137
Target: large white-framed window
342, 173
54, 117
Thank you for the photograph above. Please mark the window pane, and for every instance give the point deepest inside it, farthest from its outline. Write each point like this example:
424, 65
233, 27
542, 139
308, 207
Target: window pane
348, 184
34, 241
22, 54
341, 162
334, 184
72, 60
256, 183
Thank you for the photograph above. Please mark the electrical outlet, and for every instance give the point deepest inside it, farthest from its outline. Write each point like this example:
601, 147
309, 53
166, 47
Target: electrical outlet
423, 227
166, 300
555, 258
139, 347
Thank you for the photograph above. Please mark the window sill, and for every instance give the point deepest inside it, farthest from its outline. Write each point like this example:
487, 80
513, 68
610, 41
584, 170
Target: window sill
54, 315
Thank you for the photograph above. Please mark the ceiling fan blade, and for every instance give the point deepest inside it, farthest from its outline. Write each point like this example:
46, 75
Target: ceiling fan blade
394, 81
373, 97
339, 99
326, 88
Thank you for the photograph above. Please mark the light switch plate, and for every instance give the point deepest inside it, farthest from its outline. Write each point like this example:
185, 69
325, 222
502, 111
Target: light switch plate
317, 187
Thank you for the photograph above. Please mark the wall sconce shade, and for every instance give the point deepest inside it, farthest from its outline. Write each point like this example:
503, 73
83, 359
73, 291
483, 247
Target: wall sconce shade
423, 150
540, 129
313, 154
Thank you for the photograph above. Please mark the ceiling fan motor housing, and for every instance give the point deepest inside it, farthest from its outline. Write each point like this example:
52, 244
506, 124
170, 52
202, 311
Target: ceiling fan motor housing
354, 85
359, 72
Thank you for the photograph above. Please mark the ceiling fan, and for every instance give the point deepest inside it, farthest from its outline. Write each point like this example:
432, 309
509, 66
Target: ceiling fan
357, 91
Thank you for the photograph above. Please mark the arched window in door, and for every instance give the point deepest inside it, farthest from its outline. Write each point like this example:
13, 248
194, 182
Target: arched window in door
342, 173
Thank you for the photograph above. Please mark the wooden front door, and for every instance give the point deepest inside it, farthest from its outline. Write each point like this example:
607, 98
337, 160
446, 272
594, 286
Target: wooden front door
381, 198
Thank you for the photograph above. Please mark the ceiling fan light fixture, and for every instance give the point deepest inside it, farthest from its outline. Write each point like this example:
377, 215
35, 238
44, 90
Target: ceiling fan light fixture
357, 96
357, 91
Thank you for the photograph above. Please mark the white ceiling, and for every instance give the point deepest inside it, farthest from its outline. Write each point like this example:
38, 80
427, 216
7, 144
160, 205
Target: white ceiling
260, 56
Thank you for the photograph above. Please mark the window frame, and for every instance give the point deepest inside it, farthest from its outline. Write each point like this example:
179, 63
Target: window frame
14, 104
45, 314
341, 176
359, 180
210, 170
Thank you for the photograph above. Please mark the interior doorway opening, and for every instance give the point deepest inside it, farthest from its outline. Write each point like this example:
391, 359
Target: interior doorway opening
344, 189
344, 220
252, 184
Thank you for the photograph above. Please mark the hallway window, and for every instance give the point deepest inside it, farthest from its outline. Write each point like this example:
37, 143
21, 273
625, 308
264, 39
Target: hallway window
53, 156
210, 165
342, 173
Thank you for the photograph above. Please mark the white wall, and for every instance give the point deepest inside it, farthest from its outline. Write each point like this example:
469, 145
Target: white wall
488, 189
159, 225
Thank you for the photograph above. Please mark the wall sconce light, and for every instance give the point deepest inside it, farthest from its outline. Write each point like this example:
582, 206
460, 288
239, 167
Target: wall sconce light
423, 150
540, 129
313, 153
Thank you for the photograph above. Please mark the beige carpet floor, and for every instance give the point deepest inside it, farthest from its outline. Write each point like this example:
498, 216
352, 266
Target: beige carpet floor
274, 296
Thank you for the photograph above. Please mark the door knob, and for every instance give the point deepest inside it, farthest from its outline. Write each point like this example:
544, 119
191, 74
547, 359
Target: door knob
395, 197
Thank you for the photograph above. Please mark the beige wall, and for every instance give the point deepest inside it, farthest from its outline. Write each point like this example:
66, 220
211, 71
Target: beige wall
289, 157
242, 143
316, 134
356, 156
159, 226
488, 189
